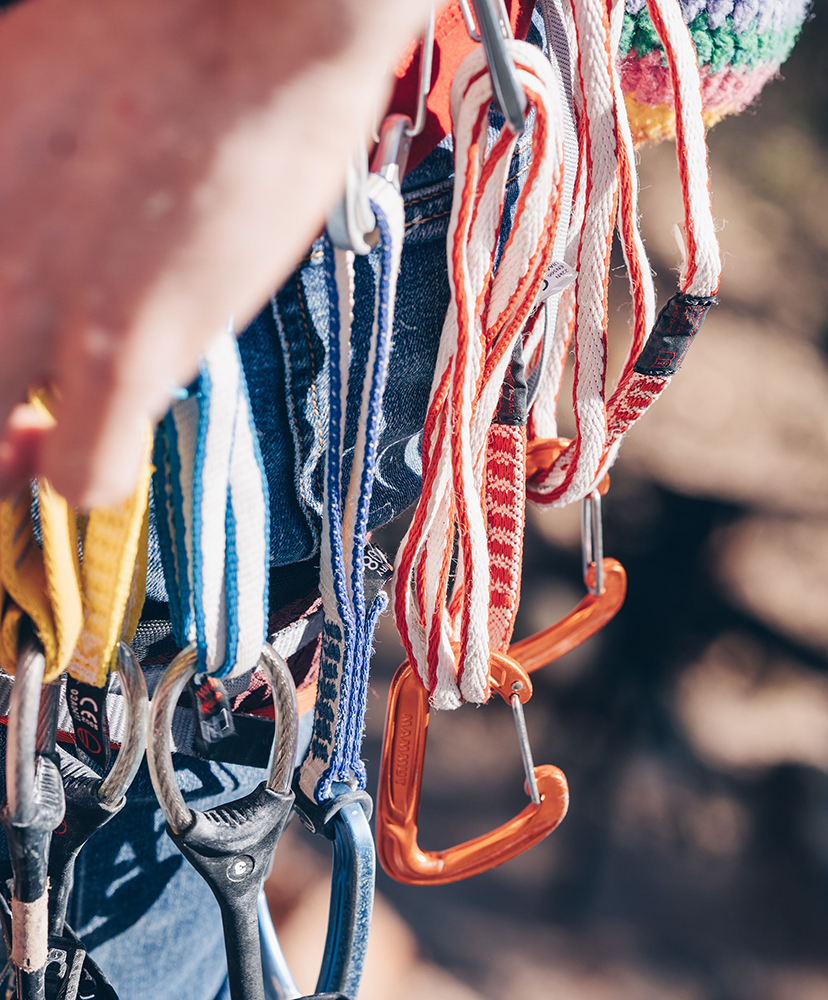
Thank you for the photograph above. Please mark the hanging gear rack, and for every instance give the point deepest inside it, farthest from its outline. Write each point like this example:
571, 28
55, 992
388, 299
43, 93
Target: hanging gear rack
490, 443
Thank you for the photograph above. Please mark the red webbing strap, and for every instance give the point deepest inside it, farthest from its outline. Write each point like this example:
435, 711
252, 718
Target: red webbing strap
452, 44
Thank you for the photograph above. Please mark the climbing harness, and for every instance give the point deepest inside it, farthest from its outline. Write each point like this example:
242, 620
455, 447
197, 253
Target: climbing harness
490, 443
230, 846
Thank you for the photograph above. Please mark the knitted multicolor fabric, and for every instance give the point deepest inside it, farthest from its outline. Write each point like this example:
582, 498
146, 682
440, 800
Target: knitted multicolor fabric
740, 46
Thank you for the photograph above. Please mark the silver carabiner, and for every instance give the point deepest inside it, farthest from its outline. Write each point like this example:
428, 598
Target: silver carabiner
136, 711
391, 155
493, 29
592, 542
159, 752
25, 723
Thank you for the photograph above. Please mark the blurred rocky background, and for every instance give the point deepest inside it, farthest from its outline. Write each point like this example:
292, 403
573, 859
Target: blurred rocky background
693, 864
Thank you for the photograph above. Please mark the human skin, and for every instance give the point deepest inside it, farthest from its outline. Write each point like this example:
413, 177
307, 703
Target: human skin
163, 165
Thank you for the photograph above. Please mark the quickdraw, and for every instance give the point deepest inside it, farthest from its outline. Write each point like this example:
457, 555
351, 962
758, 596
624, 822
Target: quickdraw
34, 808
330, 789
473, 473
230, 846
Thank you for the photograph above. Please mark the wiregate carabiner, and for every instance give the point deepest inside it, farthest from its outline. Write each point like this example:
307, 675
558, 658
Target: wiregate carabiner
401, 777
92, 801
231, 845
391, 155
605, 578
493, 29
33, 809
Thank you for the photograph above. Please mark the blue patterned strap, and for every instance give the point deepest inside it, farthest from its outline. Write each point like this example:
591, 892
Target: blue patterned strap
350, 618
213, 516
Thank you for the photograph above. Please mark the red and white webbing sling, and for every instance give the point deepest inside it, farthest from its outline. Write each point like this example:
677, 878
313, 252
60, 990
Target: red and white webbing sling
449, 616
606, 193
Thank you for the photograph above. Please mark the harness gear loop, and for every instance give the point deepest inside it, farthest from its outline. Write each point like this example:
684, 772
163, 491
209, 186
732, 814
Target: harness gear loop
401, 775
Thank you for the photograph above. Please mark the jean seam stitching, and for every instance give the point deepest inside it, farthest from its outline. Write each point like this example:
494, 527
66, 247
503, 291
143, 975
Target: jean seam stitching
306, 327
292, 416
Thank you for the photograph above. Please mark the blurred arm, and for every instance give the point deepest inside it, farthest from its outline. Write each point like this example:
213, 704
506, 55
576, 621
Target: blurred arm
163, 164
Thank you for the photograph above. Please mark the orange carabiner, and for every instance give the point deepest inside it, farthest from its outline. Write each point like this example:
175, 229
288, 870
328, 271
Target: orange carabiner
401, 777
542, 452
585, 619
595, 610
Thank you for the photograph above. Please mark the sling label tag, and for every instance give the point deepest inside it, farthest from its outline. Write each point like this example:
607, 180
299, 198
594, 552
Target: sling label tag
558, 277
87, 707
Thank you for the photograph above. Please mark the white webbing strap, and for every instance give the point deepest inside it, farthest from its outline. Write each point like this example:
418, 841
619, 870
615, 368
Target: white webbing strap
606, 178
213, 515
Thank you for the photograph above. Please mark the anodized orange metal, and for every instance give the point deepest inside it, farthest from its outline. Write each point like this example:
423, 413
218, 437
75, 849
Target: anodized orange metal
587, 618
401, 777
541, 453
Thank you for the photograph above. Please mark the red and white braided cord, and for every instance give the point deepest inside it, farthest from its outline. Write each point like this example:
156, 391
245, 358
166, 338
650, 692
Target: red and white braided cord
600, 423
446, 637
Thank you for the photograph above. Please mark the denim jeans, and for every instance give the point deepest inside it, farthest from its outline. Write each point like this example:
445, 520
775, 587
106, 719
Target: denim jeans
148, 919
